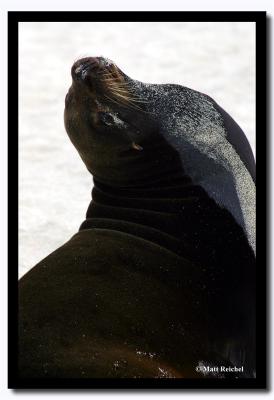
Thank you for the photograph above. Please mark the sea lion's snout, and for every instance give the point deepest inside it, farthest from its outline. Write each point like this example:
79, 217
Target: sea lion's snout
101, 79
82, 68
90, 67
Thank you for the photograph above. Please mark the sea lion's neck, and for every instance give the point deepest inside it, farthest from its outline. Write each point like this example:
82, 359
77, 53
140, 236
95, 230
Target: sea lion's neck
173, 213
146, 162
161, 212
150, 211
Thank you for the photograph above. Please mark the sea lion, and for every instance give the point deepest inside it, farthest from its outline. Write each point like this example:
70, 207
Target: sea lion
160, 278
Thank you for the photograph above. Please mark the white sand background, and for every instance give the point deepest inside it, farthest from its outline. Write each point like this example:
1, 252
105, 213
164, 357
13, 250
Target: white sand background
54, 185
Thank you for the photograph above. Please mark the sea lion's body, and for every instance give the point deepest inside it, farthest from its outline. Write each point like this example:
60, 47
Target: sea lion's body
161, 275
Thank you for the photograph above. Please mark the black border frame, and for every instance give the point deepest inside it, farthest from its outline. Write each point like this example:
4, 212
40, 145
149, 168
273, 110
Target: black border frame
14, 17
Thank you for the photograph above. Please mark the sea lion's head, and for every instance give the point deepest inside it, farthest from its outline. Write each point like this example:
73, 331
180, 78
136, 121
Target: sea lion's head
132, 133
109, 123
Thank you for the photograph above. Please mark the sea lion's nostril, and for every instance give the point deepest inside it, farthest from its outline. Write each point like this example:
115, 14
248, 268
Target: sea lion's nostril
78, 70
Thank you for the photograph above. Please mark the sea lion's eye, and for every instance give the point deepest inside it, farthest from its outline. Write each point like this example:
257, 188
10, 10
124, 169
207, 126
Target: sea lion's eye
107, 118
112, 119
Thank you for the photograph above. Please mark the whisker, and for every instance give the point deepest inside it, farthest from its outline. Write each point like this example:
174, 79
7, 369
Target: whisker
122, 87
120, 92
116, 89
113, 81
130, 98
112, 100
103, 72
